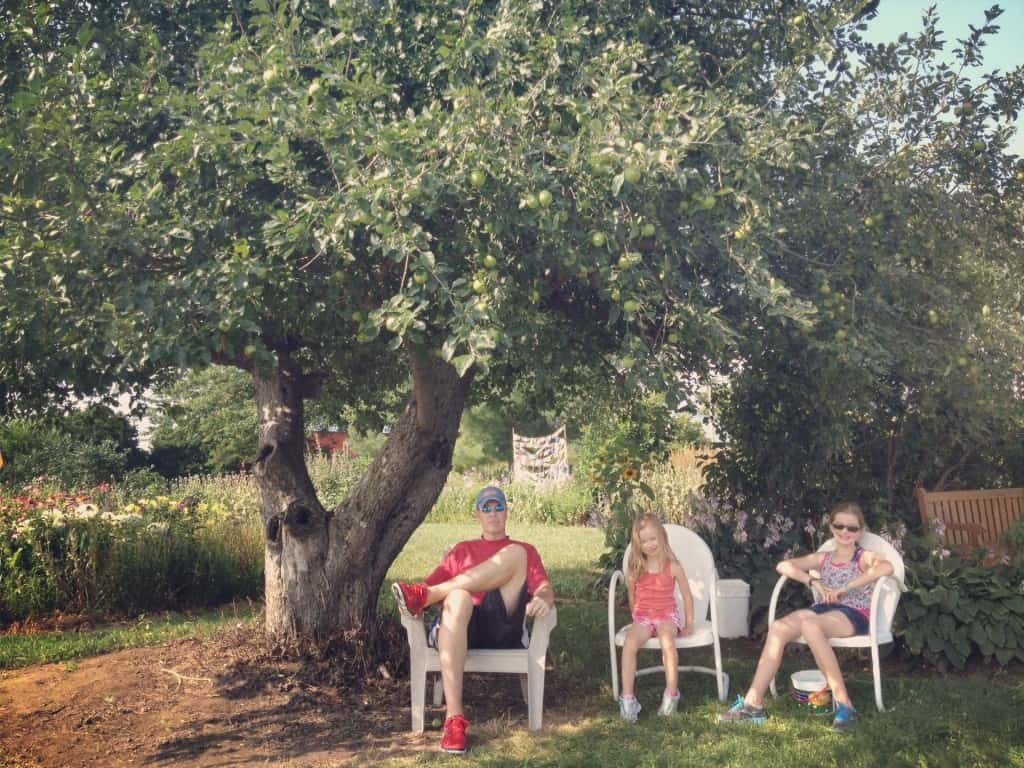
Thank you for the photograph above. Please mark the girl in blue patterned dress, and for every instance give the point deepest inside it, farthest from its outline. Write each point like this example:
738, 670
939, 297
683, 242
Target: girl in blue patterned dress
847, 579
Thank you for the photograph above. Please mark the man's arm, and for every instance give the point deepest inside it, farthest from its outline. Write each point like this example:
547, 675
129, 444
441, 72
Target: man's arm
543, 601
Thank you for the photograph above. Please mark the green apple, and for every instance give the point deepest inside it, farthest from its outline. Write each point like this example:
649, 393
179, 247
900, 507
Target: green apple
479, 286
532, 201
534, 296
420, 278
598, 239
648, 229
632, 174
962, 361
357, 316
840, 335
477, 178
933, 317
627, 362
631, 305
490, 262
544, 198
270, 74
825, 289
392, 324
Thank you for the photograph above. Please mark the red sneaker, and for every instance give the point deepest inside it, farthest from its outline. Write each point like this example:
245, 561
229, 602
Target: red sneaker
411, 597
454, 739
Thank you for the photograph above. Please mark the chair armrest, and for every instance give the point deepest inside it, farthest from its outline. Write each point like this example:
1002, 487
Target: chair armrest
882, 584
540, 632
617, 576
773, 603
415, 629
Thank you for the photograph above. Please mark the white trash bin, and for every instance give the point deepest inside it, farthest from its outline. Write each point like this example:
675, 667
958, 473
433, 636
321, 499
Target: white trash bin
733, 608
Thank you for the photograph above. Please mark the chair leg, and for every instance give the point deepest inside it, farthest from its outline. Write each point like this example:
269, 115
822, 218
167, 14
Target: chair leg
771, 687
535, 696
876, 670
721, 678
438, 691
524, 687
615, 672
418, 694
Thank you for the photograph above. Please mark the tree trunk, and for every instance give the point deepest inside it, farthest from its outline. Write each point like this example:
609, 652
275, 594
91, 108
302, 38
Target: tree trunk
324, 568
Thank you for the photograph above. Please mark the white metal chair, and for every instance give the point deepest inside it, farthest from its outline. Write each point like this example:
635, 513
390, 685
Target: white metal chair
884, 599
528, 662
696, 558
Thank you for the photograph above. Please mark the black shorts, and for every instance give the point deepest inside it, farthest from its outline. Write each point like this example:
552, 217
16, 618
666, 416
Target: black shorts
491, 626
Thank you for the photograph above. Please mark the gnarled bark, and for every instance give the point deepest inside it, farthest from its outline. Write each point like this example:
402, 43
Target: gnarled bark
324, 568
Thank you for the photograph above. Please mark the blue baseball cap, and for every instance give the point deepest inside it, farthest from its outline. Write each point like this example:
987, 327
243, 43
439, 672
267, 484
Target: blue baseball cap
490, 493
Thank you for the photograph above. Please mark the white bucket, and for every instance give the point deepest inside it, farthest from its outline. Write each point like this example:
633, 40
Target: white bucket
811, 690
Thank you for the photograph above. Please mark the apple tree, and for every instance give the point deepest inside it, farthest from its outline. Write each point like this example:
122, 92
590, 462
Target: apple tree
343, 198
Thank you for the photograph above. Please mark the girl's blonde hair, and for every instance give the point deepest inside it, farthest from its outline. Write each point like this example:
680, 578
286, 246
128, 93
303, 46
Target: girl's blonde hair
637, 561
849, 508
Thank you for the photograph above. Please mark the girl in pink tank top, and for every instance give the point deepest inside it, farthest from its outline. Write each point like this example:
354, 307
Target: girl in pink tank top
652, 574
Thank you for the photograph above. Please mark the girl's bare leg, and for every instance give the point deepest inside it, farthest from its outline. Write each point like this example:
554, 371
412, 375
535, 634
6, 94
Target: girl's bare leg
669, 654
782, 631
816, 632
637, 635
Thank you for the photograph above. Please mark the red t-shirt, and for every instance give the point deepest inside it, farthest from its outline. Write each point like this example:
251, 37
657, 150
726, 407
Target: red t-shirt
467, 554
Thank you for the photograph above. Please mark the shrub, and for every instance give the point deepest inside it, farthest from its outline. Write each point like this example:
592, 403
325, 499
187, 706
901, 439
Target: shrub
35, 447
956, 609
61, 551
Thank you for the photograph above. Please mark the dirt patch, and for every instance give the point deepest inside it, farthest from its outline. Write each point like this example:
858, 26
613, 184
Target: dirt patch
228, 700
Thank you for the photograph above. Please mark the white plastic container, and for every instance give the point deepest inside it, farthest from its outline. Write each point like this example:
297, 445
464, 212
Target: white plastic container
810, 690
733, 608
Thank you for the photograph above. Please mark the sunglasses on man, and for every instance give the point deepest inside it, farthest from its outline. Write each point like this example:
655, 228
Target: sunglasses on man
492, 506
844, 527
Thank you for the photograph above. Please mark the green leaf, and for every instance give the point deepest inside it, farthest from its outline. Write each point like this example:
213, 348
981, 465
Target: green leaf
462, 363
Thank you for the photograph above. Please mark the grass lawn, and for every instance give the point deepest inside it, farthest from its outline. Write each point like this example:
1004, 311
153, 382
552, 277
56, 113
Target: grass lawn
932, 722
45, 647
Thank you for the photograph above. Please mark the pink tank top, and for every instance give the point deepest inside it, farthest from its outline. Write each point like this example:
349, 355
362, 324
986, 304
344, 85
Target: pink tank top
655, 593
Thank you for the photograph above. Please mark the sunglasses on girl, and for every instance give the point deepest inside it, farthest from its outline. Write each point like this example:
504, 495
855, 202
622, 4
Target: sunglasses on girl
844, 527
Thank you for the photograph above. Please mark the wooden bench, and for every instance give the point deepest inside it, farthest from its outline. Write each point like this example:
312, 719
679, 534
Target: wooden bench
971, 519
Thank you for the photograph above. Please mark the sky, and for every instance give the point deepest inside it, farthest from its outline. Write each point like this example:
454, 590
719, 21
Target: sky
1003, 52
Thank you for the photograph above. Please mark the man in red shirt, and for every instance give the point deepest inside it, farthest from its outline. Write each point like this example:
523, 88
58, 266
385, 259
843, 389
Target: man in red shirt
487, 587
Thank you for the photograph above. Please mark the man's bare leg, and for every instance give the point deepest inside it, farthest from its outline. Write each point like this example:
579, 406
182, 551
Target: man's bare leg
504, 571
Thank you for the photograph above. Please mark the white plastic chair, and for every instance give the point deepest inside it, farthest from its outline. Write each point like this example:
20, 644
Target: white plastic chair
699, 564
528, 662
884, 599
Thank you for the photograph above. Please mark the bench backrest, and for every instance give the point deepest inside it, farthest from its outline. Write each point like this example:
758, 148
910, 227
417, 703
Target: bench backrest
971, 518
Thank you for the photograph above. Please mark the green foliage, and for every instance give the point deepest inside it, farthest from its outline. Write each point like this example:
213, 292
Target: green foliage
346, 185
34, 448
206, 421
569, 503
97, 423
907, 237
1013, 539
59, 551
957, 609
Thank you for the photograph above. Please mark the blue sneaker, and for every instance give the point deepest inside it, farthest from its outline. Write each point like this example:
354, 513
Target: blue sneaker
741, 712
846, 717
